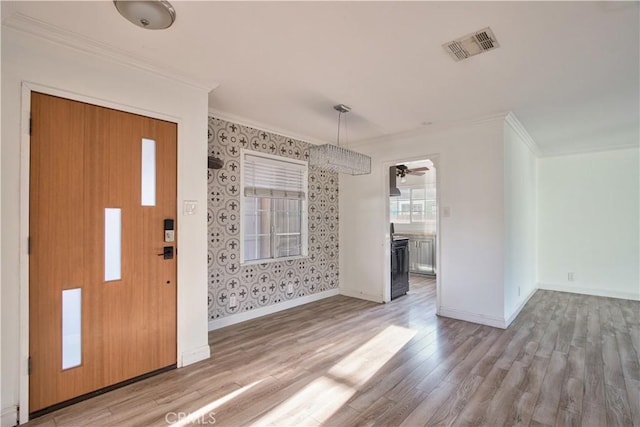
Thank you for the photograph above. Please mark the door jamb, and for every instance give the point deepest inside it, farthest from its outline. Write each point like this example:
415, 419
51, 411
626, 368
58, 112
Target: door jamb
27, 88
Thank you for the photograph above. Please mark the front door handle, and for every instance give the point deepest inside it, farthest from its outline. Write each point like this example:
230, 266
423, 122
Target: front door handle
167, 252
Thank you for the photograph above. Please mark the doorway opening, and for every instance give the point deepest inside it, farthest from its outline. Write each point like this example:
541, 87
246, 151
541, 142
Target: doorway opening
413, 223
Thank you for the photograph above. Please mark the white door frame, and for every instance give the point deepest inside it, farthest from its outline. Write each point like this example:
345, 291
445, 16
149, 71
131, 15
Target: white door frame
25, 153
437, 163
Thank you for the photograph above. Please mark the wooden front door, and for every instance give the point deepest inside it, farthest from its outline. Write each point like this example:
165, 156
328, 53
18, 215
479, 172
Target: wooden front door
102, 301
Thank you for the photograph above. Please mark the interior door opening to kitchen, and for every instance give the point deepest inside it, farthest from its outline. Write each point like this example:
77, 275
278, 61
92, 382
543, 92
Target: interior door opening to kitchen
413, 209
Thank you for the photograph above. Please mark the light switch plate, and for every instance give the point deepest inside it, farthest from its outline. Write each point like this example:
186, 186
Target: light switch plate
189, 207
446, 211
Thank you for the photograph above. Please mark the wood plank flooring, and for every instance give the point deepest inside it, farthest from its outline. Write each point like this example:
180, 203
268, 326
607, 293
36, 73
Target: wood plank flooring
566, 360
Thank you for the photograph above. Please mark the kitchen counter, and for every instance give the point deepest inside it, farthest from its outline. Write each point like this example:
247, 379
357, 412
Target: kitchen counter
415, 235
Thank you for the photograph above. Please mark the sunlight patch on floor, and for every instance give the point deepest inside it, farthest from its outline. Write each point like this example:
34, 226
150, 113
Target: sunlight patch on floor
204, 412
325, 395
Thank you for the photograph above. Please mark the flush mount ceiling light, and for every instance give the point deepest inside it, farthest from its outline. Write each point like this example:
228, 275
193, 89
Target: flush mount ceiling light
339, 159
149, 14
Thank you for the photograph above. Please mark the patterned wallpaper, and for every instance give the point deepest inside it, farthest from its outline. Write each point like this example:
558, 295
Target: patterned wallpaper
261, 285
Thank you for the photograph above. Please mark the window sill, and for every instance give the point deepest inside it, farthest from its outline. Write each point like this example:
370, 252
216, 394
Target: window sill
272, 260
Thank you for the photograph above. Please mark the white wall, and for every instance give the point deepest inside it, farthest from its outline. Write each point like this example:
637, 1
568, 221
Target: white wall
520, 195
588, 223
27, 58
2, 406
470, 183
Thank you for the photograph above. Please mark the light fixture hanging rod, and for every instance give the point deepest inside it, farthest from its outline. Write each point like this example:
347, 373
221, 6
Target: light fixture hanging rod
340, 108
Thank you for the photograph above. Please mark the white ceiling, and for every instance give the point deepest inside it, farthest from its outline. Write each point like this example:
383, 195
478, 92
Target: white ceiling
568, 70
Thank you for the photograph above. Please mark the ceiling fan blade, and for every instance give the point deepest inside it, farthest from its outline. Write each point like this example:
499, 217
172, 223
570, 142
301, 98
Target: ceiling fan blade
415, 173
424, 168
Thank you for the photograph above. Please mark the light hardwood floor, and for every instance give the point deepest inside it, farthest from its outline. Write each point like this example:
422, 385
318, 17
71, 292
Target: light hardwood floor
566, 360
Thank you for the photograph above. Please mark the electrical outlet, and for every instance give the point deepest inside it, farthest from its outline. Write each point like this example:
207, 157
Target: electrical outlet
570, 277
233, 301
290, 288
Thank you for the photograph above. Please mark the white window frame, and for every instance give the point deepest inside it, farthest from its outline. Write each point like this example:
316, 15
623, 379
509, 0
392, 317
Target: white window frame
410, 188
304, 225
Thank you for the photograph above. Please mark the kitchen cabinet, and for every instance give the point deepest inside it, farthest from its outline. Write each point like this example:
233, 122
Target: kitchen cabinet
422, 252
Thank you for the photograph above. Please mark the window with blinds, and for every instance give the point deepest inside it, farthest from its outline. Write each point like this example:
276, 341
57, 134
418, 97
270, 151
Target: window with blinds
273, 208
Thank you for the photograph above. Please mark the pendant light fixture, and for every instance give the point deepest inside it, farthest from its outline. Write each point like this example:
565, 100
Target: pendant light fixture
338, 159
148, 14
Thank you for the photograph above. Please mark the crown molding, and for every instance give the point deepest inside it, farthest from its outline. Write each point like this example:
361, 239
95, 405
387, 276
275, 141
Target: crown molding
52, 33
431, 129
517, 126
219, 114
240, 120
594, 150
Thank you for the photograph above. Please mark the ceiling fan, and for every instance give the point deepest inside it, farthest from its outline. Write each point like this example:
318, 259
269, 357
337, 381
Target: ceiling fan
402, 171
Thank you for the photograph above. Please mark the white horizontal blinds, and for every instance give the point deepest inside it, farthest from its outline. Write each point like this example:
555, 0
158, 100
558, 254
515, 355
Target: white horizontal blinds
275, 179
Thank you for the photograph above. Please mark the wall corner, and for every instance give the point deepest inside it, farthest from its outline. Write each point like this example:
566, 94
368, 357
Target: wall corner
515, 124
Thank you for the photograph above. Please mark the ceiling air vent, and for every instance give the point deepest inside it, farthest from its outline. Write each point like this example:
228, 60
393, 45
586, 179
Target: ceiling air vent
471, 44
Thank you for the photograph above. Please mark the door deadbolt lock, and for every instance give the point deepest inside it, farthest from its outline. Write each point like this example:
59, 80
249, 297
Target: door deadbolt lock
169, 230
167, 252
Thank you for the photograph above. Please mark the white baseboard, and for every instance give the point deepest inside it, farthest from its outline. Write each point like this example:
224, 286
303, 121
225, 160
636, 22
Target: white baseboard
361, 295
467, 316
519, 308
196, 355
599, 292
9, 416
263, 311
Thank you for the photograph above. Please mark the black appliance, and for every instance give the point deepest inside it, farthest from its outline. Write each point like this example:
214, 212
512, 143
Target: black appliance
399, 266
